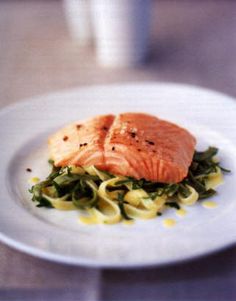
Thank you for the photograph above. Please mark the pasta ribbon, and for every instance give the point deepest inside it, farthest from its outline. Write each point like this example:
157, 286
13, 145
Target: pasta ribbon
60, 203
134, 197
214, 179
108, 211
191, 199
140, 213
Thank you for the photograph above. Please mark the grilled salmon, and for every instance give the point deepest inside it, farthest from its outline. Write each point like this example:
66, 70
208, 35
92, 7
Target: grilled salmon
130, 144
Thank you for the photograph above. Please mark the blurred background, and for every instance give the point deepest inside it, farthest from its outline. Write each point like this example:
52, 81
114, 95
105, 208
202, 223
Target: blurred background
189, 41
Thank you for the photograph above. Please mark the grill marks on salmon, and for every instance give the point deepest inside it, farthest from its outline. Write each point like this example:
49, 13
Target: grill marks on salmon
131, 144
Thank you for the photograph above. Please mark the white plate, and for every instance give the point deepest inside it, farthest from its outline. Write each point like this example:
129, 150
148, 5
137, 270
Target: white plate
58, 236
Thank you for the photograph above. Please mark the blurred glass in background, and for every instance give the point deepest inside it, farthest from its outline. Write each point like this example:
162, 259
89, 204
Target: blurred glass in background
79, 21
120, 28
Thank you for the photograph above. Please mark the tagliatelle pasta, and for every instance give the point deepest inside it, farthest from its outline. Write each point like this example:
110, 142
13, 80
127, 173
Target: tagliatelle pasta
103, 198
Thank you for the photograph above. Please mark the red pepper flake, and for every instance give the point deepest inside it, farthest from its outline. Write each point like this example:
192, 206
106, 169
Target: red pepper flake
105, 128
78, 126
139, 150
28, 169
65, 138
113, 148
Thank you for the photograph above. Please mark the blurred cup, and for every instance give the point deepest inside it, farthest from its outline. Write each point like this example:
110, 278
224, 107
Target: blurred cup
78, 17
121, 29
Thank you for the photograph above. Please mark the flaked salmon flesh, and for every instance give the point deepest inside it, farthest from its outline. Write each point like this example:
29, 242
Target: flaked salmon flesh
131, 144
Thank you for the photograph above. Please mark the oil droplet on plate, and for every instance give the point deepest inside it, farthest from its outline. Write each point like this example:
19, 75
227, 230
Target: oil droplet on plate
34, 180
209, 204
181, 212
168, 223
87, 220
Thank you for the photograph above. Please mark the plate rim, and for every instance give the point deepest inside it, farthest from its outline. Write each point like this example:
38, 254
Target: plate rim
36, 98
62, 259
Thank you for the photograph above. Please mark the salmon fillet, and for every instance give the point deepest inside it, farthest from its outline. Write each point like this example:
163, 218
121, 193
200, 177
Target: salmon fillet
130, 144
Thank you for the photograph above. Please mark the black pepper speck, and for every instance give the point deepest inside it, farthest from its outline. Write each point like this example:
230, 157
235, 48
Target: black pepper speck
133, 135
150, 142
